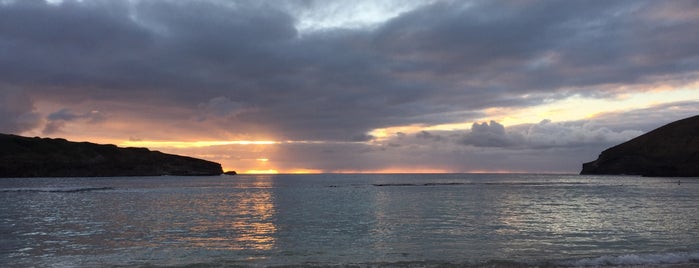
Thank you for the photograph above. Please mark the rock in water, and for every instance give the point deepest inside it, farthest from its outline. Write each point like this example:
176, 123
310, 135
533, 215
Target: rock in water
45, 157
669, 151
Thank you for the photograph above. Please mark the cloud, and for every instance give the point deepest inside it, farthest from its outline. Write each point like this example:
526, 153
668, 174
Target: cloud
57, 120
313, 16
647, 118
427, 135
431, 62
17, 112
541, 147
53, 127
545, 134
223, 107
487, 135
499, 49
66, 114
570, 134
363, 138
293, 70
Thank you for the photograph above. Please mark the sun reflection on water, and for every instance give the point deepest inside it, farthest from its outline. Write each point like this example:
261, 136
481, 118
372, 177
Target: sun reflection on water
242, 221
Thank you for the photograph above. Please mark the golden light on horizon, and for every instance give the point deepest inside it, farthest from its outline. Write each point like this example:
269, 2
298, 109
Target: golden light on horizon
261, 171
192, 144
387, 132
573, 108
304, 171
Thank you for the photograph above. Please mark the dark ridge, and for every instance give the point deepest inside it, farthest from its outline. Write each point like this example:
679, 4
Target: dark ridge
669, 151
45, 157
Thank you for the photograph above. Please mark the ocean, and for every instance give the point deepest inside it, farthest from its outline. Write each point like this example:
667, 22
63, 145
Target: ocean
350, 220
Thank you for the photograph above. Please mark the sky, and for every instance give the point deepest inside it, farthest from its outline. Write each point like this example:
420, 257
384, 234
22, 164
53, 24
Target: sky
351, 86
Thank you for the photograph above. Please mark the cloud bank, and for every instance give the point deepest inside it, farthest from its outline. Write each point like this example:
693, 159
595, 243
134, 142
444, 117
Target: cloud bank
304, 70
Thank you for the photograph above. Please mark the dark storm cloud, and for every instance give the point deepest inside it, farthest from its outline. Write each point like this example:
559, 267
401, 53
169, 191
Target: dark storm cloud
246, 62
507, 47
73, 44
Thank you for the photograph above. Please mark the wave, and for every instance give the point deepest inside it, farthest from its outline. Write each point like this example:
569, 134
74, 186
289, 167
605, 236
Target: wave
674, 260
55, 190
648, 259
418, 184
669, 260
421, 264
477, 183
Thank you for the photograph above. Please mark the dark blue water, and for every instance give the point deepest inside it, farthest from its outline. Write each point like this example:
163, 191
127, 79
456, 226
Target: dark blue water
344, 220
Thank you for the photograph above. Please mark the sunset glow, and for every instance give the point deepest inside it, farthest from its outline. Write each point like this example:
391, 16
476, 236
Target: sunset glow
363, 133
259, 171
190, 144
351, 87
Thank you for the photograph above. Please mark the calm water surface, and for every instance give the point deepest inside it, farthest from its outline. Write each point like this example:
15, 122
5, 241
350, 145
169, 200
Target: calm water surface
342, 220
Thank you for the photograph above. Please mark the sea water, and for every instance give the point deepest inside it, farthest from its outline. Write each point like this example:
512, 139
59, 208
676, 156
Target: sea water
413, 220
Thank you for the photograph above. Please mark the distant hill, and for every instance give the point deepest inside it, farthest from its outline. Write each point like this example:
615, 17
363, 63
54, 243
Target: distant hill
669, 151
45, 157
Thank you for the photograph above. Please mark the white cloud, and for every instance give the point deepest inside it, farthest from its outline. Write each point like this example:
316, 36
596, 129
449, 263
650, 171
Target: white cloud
352, 14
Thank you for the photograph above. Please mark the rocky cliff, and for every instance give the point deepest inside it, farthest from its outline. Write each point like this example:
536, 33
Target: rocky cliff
671, 150
44, 157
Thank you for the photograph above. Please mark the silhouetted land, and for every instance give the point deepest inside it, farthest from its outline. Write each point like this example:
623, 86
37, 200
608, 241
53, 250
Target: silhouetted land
669, 151
45, 157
